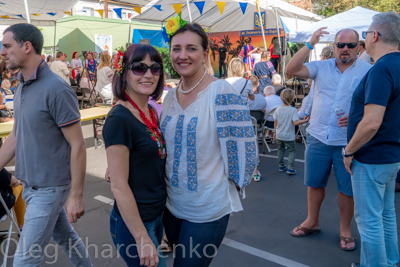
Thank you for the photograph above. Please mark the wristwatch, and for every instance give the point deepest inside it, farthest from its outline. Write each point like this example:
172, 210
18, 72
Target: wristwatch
344, 153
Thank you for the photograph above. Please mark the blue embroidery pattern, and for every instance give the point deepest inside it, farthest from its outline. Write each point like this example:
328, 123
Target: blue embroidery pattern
164, 124
229, 99
233, 115
237, 132
233, 161
191, 154
251, 161
178, 148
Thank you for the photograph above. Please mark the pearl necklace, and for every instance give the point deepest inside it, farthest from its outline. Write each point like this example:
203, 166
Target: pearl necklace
191, 89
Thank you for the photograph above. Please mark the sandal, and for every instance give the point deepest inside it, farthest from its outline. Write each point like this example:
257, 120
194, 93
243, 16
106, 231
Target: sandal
346, 241
306, 231
165, 247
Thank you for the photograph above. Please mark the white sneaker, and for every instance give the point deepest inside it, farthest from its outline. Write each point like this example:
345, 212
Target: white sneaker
257, 177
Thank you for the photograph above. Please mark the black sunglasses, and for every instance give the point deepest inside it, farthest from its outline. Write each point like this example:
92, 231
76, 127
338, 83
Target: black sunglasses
140, 68
364, 34
349, 45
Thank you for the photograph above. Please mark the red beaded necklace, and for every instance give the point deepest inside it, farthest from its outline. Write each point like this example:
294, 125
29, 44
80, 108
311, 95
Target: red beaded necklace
152, 126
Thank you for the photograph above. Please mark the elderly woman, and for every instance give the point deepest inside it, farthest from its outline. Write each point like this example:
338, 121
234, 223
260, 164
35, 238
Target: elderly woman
264, 71
136, 155
104, 78
277, 83
211, 144
235, 78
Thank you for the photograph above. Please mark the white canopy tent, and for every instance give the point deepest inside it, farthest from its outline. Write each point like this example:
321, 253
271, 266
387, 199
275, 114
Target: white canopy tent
232, 18
15, 8
358, 18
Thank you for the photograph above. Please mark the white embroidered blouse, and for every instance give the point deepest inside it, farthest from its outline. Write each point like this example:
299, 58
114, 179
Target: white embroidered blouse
209, 141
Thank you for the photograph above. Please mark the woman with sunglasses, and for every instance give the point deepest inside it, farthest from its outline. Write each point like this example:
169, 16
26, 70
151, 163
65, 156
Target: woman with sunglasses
210, 139
136, 155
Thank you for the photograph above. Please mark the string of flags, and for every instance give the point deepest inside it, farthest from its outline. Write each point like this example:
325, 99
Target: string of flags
118, 11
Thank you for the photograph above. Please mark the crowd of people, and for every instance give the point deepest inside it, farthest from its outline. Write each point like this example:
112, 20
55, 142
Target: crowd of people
183, 172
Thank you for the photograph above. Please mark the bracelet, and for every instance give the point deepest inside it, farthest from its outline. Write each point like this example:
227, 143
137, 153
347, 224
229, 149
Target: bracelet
309, 46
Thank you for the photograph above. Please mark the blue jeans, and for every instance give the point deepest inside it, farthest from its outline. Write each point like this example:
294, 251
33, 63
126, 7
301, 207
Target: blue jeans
126, 244
374, 212
45, 217
194, 244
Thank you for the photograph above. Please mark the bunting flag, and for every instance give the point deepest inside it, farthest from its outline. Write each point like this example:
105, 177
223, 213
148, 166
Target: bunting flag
20, 16
243, 6
5, 17
178, 8
158, 7
36, 14
119, 12
100, 11
51, 14
200, 6
68, 13
138, 9
129, 15
221, 6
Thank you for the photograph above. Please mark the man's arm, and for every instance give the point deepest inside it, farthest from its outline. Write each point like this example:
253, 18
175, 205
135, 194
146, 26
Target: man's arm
296, 66
226, 56
366, 129
74, 205
65, 70
7, 151
275, 125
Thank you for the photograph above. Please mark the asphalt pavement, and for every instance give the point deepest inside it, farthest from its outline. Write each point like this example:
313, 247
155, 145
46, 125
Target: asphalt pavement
257, 237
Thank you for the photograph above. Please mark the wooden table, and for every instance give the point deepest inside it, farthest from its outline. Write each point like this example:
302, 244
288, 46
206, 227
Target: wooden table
86, 115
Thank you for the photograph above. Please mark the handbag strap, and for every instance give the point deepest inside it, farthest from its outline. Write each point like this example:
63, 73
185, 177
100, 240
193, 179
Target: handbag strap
243, 87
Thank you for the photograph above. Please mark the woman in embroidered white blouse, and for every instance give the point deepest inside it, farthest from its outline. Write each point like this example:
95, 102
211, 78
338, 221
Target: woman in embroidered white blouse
210, 143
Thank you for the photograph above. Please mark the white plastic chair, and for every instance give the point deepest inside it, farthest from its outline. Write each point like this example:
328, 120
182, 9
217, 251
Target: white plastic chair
265, 128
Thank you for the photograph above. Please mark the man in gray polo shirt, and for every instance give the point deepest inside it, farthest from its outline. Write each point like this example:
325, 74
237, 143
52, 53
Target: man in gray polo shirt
49, 150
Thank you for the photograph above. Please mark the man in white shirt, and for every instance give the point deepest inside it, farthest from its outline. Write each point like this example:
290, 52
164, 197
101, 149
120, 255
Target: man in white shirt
335, 80
363, 55
273, 101
59, 67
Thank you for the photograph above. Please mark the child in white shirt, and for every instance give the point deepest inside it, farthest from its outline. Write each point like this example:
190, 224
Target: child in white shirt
285, 119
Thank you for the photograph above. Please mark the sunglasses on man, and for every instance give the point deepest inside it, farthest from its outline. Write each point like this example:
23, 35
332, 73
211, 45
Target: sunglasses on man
364, 34
349, 45
140, 68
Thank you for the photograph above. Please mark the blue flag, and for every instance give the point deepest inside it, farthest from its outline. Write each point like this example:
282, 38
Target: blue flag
119, 12
200, 6
158, 7
243, 6
51, 14
20, 16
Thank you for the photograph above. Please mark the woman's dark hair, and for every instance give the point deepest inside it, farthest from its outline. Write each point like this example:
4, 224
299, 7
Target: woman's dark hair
48, 58
4, 74
195, 28
136, 53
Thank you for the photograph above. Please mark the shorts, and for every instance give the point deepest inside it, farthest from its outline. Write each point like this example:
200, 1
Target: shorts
319, 159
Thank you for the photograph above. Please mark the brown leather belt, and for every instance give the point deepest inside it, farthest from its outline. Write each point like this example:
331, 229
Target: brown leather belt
263, 77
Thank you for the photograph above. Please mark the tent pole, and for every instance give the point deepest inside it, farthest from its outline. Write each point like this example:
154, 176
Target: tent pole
54, 44
129, 34
28, 17
190, 14
279, 36
262, 26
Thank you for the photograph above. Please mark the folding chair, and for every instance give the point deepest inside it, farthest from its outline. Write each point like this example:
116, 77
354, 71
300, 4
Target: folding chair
10, 108
10, 214
258, 115
302, 132
265, 128
86, 98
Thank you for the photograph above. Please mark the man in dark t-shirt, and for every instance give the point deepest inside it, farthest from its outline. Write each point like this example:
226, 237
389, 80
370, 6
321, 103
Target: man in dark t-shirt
372, 155
223, 59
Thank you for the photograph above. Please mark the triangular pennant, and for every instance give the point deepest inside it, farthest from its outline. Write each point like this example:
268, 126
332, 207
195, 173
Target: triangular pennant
68, 13
119, 12
138, 9
5, 17
200, 6
36, 14
221, 6
100, 11
243, 6
129, 15
158, 7
20, 16
178, 8
51, 14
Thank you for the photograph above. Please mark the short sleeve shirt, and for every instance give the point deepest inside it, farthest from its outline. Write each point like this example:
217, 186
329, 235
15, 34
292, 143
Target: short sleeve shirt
285, 130
243, 87
381, 86
222, 53
42, 106
146, 167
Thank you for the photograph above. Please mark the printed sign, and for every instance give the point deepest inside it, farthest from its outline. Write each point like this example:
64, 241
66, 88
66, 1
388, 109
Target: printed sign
257, 21
103, 42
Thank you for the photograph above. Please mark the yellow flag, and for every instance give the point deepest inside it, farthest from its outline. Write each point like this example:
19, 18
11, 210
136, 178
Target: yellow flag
138, 9
178, 8
257, 4
5, 17
68, 13
101, 12
36, 14
221, 6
